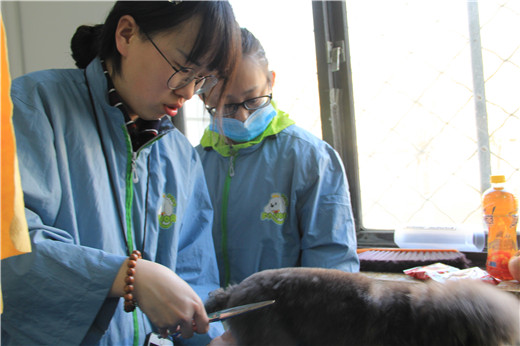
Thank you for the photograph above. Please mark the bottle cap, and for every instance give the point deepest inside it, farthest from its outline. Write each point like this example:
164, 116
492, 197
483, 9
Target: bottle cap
497, 179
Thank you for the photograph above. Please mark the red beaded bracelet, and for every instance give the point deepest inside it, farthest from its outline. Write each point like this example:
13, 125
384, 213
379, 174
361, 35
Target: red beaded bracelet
130, 302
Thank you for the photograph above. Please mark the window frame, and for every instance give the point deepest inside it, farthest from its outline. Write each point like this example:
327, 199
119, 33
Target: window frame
337, 106
338, 116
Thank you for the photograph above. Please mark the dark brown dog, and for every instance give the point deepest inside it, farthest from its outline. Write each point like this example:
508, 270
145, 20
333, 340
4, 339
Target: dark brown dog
330, 307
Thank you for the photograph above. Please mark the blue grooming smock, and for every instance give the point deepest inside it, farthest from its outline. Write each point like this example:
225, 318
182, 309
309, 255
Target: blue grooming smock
86, 192
280, 200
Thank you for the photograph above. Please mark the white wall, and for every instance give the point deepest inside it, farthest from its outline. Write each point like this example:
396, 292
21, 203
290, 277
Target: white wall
39, 32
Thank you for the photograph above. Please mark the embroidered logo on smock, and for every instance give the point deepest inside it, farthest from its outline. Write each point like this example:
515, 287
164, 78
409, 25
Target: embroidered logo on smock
167, 215
276, 209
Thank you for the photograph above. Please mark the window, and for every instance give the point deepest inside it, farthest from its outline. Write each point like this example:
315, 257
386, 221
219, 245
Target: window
416, 70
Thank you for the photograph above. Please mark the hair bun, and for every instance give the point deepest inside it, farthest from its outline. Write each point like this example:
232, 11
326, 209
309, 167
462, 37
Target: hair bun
85, 44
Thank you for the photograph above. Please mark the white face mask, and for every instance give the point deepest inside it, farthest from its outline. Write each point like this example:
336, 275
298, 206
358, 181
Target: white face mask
245, 131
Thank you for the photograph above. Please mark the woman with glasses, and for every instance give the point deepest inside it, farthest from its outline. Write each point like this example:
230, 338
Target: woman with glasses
280, 195
105, 173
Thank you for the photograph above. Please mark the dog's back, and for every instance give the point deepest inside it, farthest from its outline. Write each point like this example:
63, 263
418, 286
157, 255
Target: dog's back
330, 307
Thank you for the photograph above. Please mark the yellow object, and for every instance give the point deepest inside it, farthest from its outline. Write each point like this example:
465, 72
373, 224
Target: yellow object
15, 235
497, 179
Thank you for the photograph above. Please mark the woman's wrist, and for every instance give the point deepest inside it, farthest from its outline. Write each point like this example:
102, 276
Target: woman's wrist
117, 289
130, 301
118, 285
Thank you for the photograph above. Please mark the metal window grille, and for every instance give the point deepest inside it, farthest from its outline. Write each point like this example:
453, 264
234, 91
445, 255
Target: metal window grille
436, 91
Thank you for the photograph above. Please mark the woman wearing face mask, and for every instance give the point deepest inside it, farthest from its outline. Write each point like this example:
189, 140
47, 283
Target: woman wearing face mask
280, 194
104, 172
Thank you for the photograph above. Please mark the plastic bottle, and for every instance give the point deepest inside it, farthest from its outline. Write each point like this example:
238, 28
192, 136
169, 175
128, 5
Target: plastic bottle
501, 216
469, 238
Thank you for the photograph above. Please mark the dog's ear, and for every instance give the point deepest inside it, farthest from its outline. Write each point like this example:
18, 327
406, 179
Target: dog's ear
218, 299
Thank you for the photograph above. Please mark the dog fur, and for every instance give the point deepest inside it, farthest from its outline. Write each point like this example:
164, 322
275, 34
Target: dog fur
330, 307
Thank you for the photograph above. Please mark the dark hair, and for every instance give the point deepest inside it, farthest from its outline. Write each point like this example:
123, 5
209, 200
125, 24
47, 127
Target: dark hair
252, 47
217, 41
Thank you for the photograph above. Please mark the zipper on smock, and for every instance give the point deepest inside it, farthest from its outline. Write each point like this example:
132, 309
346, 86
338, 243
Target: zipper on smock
135, 178
129, 187
131, 171
225, 200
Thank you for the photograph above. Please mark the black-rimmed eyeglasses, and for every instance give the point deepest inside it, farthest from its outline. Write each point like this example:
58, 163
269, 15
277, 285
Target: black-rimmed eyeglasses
185, 75
228, 110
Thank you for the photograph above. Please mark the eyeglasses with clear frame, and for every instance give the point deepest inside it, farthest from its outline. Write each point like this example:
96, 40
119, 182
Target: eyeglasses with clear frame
185, 75
229, 110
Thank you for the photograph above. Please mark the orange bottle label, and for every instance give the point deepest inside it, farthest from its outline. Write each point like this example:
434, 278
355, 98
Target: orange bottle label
500, 215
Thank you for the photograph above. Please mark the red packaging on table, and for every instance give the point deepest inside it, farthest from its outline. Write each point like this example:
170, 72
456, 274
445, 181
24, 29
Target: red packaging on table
474, 273
441, 272
425, 272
